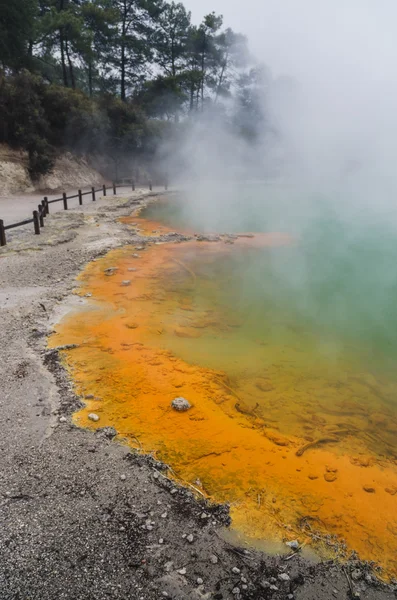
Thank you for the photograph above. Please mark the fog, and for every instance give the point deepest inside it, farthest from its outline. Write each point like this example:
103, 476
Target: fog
342, 58
323, 164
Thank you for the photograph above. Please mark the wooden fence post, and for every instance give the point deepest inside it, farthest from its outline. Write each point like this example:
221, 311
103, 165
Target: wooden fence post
150, 186
133, 185
93, 194
65, 201
3, 240
104, 189
43, 208
114, 189
41, 216
36, 222
47, 208
80, 197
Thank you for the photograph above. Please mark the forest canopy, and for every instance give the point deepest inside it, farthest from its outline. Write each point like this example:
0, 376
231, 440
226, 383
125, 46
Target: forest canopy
116, 76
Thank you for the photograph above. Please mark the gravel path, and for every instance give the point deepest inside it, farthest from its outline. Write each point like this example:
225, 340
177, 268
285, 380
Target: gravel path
82, 517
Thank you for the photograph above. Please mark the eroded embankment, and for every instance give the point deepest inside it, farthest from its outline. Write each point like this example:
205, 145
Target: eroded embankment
231, 447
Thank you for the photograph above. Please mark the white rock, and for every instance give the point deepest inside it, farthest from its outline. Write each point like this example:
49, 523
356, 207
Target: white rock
182, 571
213, 559
190, 538
236, 570
199, 581
180, 404
126, 282
123, 477
62, 419
293, 544
283, 577
93, 417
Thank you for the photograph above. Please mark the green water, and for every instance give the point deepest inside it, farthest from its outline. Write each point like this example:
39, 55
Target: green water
336, 286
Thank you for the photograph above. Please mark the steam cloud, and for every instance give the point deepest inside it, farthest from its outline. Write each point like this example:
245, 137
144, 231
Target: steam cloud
323, 164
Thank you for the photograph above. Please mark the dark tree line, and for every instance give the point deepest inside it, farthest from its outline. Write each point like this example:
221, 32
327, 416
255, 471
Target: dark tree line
112, 74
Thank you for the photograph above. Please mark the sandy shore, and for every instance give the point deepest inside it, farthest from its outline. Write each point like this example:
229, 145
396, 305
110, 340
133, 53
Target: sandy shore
83, 517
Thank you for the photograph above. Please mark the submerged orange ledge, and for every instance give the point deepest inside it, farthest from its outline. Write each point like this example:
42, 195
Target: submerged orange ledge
236, 454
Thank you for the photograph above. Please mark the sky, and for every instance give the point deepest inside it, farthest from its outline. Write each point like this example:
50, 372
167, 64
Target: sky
297, 37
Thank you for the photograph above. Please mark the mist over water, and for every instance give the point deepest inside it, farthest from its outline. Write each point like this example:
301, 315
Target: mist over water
320, 167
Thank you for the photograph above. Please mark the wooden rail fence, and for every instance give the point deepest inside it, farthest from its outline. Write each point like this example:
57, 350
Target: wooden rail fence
43, 209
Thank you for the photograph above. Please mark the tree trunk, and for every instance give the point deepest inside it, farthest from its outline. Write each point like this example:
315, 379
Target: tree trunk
191, 97
71, 71
122, 91
62, 46
90, 77
123, 52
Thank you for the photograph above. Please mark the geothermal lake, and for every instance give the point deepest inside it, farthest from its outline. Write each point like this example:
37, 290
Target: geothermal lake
285, 344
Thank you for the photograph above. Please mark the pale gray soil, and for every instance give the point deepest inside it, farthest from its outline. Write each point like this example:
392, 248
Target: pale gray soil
81, 517
20, 207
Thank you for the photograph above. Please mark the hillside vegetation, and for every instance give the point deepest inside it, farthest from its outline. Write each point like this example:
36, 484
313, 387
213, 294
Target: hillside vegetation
116, 77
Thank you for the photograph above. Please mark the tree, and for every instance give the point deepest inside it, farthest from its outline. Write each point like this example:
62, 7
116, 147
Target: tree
171, 38
16, 27
131, 48
100, 24
250, 115
231, 54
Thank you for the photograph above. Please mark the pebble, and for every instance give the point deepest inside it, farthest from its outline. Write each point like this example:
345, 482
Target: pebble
93, 417
161, 541
199, 581
236, 570
180, 404
274, 588
182, 571
173, 491
123, 477
283, 577
190, 538
236, 591
213, 559
126, 282
164, 515
265, 584
356, 574
204, 515
294, 544
62, 419
369, 489
165, 594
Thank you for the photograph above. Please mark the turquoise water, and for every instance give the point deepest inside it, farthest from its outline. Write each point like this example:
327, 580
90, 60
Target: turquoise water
338, 282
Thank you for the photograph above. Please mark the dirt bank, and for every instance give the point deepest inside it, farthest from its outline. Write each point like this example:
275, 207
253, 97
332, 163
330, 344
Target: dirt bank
83, 517
69, 172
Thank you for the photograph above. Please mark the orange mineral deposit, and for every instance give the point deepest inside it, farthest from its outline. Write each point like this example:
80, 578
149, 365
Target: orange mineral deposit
282, 435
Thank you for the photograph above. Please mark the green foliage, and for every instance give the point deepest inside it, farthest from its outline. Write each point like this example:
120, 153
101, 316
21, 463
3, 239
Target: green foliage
16, 30
113, 76
25, 123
